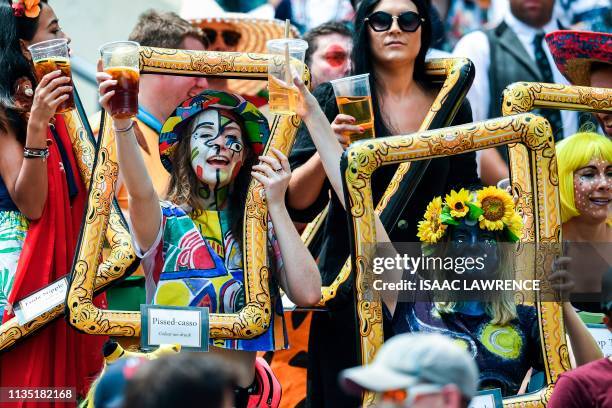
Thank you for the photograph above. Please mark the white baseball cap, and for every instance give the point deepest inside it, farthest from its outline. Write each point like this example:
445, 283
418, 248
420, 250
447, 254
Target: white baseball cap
409, 359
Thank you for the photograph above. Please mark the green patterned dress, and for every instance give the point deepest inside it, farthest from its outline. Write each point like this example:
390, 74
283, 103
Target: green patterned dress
13, 228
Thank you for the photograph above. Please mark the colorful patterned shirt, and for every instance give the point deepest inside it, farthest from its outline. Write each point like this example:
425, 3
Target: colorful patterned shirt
196, 261
504, 353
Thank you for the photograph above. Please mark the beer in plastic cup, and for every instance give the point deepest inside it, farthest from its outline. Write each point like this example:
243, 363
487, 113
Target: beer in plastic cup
120, 60
283, 93
49, 56
353, 98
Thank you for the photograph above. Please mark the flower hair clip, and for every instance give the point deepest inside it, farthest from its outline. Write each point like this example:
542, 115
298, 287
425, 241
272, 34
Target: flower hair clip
27, 8
491, 208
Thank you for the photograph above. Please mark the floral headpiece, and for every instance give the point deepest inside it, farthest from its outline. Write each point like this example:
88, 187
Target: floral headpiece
28, 8
491, 207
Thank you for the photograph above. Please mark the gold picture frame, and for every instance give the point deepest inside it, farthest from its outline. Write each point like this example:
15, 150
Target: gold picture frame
255, 316
360, 161
523, 97
121, 260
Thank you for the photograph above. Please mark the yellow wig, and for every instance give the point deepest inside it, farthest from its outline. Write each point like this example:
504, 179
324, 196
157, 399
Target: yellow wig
574, 153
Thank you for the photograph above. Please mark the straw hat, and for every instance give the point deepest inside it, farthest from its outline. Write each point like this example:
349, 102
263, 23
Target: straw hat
254, 34
575, 51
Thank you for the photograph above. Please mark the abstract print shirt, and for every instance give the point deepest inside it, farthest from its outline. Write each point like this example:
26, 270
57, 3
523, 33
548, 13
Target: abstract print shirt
504, 354
196, 261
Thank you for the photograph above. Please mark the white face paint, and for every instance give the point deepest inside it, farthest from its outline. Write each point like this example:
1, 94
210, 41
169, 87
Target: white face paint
217, 149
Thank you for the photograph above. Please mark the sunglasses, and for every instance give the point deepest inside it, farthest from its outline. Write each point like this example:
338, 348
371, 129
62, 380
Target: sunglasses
408, 21
230, 37
407, 397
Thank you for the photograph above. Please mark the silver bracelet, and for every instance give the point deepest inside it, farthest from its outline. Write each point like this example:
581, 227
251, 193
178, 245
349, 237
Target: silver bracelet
131, 125
36, 153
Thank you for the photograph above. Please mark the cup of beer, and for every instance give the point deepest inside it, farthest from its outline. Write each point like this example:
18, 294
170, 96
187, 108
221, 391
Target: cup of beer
49, 56
353, 98
120, 60
287, 56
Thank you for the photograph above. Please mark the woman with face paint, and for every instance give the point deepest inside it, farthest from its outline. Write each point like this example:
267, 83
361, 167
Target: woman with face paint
191, 244
503, 337
584, 161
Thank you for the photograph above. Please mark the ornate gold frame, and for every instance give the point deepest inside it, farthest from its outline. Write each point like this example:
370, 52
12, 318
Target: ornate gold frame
360, 161
254, 318
456, 75
522, 97
121, 260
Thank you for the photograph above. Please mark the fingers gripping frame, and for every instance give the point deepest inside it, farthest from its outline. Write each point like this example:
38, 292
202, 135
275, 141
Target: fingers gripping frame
254, 318
456, 75
121, 260
361, 160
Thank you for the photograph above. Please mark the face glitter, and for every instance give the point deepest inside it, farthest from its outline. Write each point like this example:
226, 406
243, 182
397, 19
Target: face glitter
592, 189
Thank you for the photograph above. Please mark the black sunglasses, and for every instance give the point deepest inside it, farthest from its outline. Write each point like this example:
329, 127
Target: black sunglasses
408, 21
230, 37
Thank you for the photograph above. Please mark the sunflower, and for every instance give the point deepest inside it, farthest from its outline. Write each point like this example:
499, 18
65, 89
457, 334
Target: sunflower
498, 208
431, 229
457, 202
516, 225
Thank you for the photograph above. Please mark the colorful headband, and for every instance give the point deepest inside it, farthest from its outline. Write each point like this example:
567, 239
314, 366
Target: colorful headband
29, 8
491, 207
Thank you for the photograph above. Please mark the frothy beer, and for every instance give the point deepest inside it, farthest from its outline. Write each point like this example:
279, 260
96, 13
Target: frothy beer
124, 103
44, 66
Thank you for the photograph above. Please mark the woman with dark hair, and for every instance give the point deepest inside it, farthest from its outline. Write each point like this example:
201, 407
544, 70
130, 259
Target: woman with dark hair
390, 43
41, 201
191, 244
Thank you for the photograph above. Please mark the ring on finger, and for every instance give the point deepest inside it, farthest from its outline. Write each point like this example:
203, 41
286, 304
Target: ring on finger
278, 170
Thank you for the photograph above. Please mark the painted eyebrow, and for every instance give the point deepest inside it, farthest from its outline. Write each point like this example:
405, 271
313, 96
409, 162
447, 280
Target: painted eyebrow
232, 125
54, 21
205, 124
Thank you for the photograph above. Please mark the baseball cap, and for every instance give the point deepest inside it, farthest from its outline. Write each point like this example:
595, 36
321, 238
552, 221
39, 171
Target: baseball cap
409, 359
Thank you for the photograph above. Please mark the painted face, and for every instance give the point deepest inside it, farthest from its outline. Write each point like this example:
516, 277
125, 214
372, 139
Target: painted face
217, 148
331, 59
592, 189
602, 78
395, 46
470, 241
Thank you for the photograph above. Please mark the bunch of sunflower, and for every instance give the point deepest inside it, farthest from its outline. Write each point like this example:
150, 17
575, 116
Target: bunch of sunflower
491, 207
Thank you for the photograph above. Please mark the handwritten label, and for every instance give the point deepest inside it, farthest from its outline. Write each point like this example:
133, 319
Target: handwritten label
36, 304
603, 337
187, 326
487, 399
